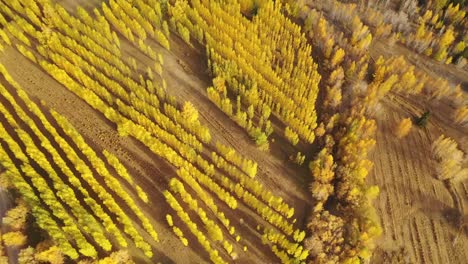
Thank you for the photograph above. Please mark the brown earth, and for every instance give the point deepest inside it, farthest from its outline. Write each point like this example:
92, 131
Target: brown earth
418, 212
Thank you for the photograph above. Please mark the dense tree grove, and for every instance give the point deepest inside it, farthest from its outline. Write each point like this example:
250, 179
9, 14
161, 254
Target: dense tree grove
440, 30
83, 53
273, 83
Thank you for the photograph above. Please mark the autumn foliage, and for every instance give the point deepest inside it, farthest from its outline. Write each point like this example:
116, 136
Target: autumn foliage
403, 127
449, 159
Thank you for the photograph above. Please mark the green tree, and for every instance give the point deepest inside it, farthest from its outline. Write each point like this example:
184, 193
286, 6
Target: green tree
423, 119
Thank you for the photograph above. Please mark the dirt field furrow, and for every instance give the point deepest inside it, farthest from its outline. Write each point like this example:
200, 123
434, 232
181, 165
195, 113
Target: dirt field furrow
413, 250
440, 239
417, 209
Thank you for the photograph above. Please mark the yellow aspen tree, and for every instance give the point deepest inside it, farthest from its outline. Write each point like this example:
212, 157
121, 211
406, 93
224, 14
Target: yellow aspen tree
14, 239
162, 39
322, 169
189, 112
15, 218
445, 41
449, 159
333, 97
26, 256
327, 50
460, 115
133, 63
158, 69
51, 255
291, 136
337, 57
5, 37
26, 52
184, 33
180, 235
403, 127
169, 220
165, 28
149, 73
439, 4
351, 71
298, 159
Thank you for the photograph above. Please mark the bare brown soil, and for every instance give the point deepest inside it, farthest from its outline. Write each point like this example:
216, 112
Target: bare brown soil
418, 212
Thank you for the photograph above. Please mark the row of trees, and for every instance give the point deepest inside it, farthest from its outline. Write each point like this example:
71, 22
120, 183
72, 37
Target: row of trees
127, 20
248, 198
97, 29
214, 232
150, 110
251, 200
248, 166
135, 94
184, 174
87, 176
176, 230
92, 41
188, 118
87, 219
296, 252
127, 127
43, 218
253, 186
342, 176
133, 86
111, 182
67, 196
133, 232
123, 173
202, 239
79, 164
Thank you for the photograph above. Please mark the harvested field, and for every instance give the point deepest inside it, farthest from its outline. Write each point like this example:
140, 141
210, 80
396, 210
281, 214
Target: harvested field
418, 211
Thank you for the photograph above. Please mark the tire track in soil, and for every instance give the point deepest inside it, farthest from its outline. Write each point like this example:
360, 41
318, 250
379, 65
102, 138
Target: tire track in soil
413, 203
